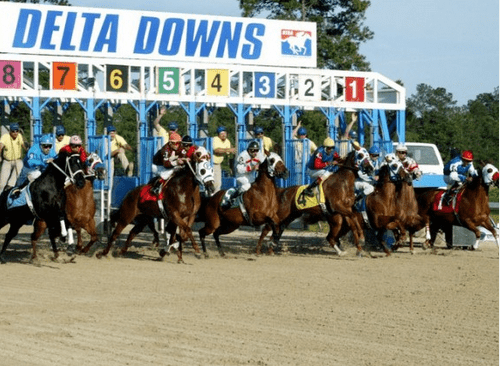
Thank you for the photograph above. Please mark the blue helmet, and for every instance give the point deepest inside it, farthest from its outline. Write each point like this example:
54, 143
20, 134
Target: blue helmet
221, 129
302, 131
173, 126
111, 128
46, 140
353, 134
60, 130
258, 130
14, 126
374, 150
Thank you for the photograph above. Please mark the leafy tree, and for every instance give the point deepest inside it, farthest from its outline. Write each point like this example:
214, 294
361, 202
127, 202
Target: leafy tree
339, 26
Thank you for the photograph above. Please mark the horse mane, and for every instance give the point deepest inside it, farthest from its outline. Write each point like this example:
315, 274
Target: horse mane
383, 175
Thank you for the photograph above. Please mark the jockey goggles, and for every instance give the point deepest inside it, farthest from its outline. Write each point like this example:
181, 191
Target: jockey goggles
46, 146
253, 150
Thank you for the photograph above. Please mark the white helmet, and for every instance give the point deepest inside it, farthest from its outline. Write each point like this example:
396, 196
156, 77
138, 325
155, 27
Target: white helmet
401, 147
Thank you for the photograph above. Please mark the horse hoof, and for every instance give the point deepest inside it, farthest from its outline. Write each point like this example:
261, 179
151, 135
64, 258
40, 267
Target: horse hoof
206, 255
163, 253
197, 255
359, 254
99, 255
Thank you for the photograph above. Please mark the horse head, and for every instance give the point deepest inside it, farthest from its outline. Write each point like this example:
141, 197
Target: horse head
394, 171
275, 165
96, 167
72, 167
204, 170
490, 175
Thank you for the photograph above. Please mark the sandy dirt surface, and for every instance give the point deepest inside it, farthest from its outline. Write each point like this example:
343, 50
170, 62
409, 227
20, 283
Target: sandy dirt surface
310, 307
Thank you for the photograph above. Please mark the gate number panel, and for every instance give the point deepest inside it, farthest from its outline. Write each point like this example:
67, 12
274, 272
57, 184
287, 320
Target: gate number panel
10, 74
265, 85
168, 80
117, 78
354, 89
64, 75
217, 82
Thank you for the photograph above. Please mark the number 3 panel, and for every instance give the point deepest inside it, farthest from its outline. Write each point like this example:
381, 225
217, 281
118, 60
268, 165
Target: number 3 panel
310, 87
265, 84
10, 74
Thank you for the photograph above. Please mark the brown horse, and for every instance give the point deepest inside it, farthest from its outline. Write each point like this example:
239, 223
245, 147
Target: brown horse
80, 205
260, 203
179, 205
472, 211
339, 198
382, 209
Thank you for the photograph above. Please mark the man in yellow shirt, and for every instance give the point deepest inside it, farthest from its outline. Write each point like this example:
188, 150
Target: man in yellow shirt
11, 149
267, 143
162, 132
61, 138
118, 147
222, 147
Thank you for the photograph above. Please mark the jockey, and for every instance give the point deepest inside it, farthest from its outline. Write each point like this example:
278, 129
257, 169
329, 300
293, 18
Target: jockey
36, 160
457, 171
75, 147
368, 173
361, 152
409, 164
188, 146
321, 164
168, 160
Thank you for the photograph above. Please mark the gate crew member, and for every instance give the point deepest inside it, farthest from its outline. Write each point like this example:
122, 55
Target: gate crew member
61, 138
11, 149
221, 147
321, 164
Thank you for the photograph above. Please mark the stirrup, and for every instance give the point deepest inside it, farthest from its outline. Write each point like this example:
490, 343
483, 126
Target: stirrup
16, 192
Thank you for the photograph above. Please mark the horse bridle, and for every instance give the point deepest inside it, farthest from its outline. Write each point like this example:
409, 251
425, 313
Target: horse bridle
271, 167
70, 177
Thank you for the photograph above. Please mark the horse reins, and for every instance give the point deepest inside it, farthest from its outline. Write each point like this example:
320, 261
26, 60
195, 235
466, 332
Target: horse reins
71, 179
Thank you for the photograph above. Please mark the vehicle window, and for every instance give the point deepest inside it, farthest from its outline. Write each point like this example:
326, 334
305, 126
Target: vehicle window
423, 155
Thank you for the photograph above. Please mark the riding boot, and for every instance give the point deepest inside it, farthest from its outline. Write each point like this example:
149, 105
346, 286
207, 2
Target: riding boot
309, 189
229, 202
16, 191
156, 186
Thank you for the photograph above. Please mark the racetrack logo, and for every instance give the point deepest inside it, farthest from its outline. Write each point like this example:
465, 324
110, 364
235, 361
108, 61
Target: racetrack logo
296, 42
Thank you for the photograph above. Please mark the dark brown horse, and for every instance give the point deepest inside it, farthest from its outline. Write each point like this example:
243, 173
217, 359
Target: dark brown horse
80, 206
472, 210
382, 209
179, 205
339, 198
45, 198
260, 203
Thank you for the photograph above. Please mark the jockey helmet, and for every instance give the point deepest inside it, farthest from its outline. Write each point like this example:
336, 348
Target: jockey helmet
111, 128
328, 142
75, 140
253, 145
187, 140
173, 126
221, 129
467, 155
46, 140
14, 127
60, 130
401, 147
174, 137
302, 131
258, 130
374, 150
353, 134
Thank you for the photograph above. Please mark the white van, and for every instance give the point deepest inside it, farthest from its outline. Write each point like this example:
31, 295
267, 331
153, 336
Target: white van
430, 163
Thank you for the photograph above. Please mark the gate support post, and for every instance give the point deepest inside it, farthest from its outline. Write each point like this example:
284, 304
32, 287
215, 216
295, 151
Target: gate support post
240, 112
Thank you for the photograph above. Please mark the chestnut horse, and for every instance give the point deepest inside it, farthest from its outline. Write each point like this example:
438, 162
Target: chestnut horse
179, 205
339, 198
80, 205
44, 199
260, 203
472, 210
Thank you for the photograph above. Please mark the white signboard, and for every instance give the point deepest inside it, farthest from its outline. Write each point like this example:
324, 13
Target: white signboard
93, 32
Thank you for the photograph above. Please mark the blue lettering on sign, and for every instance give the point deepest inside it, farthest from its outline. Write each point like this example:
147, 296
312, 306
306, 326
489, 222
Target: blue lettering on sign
87, 30
49, 29
170, 44
194, 38
108, 34
31, 18
227, 38
145, 43
252, 51
68, 32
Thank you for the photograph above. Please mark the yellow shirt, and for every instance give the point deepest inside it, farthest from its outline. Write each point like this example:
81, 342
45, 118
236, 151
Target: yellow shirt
63, 142
12, 149
217, 143
267, 143
162, 133
117, 142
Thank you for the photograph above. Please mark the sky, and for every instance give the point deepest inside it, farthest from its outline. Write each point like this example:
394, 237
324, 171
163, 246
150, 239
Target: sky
451, 44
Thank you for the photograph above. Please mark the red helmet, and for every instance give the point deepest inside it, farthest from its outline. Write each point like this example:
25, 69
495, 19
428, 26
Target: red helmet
174, 137
467, 155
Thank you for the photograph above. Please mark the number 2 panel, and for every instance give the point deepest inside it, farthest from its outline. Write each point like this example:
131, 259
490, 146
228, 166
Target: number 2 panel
309, 87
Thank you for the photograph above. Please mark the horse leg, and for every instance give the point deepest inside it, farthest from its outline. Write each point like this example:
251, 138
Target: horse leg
136, 230
470, 225
116, 232
335, 224
89, 228
13, 230
53, 234
38, 229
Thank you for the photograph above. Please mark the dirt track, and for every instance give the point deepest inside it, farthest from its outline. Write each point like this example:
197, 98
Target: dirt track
310, 307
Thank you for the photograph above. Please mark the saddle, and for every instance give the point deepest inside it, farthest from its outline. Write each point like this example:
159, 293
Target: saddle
447, 205
233, 199
303, 201
147, 195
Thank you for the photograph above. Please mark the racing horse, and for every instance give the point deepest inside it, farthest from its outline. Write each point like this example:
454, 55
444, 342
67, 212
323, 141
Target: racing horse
339, 198
382, 209
80, 205
259, 202
470, 211
44, 200
179, 202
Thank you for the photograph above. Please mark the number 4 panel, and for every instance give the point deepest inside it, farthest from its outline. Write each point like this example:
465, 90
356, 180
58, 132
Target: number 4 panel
217, 82
10, 74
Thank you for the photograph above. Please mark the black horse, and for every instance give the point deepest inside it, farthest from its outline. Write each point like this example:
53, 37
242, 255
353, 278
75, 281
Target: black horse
47, 200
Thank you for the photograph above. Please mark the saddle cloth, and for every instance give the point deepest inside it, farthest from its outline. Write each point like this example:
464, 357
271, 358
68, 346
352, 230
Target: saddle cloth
319, 197
446, 208
19, 201
146, 194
